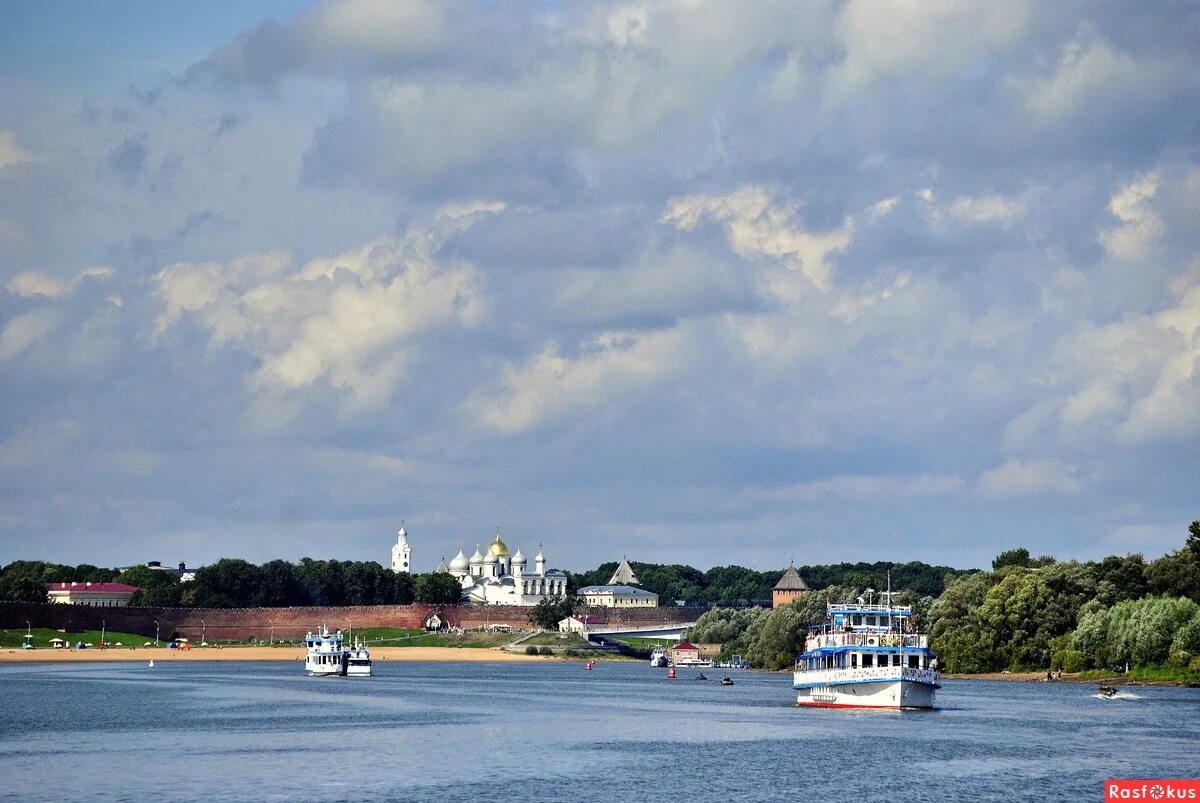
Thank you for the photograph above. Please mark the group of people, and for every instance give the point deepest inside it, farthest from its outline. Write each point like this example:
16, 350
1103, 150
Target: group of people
1053, 674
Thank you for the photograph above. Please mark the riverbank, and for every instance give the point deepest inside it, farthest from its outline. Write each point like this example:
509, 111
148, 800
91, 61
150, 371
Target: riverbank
162, 655
1093, 680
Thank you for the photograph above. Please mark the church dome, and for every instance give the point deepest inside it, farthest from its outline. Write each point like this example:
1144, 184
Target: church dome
459, 563
498, 548
477, 558
490, 559
518, 557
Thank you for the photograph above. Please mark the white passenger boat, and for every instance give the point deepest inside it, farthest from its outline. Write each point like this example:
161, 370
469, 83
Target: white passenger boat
658, 657
327, 653
866, 656
358, 662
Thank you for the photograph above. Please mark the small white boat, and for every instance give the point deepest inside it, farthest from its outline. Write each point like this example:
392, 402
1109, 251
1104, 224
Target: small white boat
358, 662
327, 654
658, 657
151, 664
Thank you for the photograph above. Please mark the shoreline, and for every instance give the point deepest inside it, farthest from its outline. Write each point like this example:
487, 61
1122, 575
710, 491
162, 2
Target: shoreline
398, 654
1040, 677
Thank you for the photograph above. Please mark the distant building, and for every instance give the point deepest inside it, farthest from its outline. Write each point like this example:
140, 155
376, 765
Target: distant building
98, 595
579, 623
684, 651
184, 574
618, 596
789, 587
401, 552
494, 577
624, 575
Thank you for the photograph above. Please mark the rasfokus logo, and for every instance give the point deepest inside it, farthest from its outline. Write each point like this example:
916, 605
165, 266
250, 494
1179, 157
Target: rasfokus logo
1161, 789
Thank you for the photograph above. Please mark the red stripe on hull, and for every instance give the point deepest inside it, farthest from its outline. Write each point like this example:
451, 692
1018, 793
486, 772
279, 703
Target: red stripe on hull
875, 707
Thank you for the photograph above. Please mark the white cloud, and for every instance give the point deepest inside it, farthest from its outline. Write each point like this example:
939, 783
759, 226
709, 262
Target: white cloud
1030, 478
11, 153
1086, 73
550, 385
25, 330
926, 40
863, 488
986, 209
31, 283
352, 322
757, 227
1140, 224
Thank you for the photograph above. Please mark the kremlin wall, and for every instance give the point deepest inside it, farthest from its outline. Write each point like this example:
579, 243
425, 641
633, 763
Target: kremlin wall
290, 624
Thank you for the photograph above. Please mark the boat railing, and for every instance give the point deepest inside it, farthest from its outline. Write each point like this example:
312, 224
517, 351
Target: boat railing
856, 607
867, 639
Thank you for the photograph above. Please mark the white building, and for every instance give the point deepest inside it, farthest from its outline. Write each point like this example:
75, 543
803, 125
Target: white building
616, 596
495, 578
401, 552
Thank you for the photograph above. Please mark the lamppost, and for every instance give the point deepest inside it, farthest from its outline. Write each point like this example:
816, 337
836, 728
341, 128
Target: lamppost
203, 641
102, 624
272, 624
156, 632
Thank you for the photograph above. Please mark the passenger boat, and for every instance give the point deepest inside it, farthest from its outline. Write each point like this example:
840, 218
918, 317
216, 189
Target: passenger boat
358, 661
866, 656
658, 657
327, 654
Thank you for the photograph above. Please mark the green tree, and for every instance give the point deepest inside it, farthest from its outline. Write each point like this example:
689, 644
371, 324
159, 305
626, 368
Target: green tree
1193, 540
552, 610
437, 589
1174, 575
1012, 557
23, 588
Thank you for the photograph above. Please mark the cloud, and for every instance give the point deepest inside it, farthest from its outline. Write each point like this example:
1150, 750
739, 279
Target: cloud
30, 283
863, 488
24, 331
986, 209
12, 154
1140, 224
353, 322
756, 226
42, 444
550, 385
1087, 72
1029, 478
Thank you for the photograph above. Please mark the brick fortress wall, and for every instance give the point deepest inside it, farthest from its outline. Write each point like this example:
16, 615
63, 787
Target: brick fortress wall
237, 624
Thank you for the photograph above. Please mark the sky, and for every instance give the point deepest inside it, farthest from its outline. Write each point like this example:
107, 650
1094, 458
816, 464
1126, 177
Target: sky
688, 282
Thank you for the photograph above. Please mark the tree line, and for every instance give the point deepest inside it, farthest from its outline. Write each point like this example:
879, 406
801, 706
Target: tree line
739, 586
1027, 613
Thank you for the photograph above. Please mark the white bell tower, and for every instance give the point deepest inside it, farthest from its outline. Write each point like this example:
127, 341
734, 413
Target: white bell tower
401, 552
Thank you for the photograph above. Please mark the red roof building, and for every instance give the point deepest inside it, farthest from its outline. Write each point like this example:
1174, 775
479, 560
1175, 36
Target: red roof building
99, 595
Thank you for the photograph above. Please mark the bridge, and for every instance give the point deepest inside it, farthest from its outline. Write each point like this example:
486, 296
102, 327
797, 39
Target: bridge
662, 630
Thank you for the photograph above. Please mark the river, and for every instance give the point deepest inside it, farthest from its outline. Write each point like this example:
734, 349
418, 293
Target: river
552, 731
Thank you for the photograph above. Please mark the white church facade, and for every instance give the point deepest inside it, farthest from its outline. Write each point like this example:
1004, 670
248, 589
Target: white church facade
492, 576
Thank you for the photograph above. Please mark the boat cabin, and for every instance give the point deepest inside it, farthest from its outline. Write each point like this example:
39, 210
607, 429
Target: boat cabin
857, 636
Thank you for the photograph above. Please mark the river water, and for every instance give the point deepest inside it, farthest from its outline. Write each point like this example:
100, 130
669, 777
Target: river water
552, 731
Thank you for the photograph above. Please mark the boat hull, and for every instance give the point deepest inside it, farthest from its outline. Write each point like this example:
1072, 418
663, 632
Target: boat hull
895, 694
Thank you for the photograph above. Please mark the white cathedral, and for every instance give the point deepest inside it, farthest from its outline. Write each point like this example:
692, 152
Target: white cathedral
492, 577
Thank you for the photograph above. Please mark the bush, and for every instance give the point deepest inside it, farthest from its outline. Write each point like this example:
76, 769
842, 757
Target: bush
1072, 661
550, 651
532, 651
1194, 666
1179, 658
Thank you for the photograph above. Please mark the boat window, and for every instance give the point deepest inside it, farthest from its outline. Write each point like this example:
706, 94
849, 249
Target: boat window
854, 660
868, 660
896, 659
857, 619
914, 661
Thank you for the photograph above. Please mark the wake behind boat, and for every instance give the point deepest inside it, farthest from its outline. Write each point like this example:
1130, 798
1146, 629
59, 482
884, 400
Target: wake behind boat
866, 656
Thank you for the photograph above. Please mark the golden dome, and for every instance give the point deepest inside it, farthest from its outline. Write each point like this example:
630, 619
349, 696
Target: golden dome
498, 548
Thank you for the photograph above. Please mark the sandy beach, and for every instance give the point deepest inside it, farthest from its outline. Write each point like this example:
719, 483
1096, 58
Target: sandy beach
258, 654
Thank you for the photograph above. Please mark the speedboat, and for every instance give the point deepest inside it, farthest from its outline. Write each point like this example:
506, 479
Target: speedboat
727, 681
1108, 691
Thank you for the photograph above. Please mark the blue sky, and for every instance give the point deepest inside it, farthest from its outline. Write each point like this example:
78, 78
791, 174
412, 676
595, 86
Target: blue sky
686, 282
